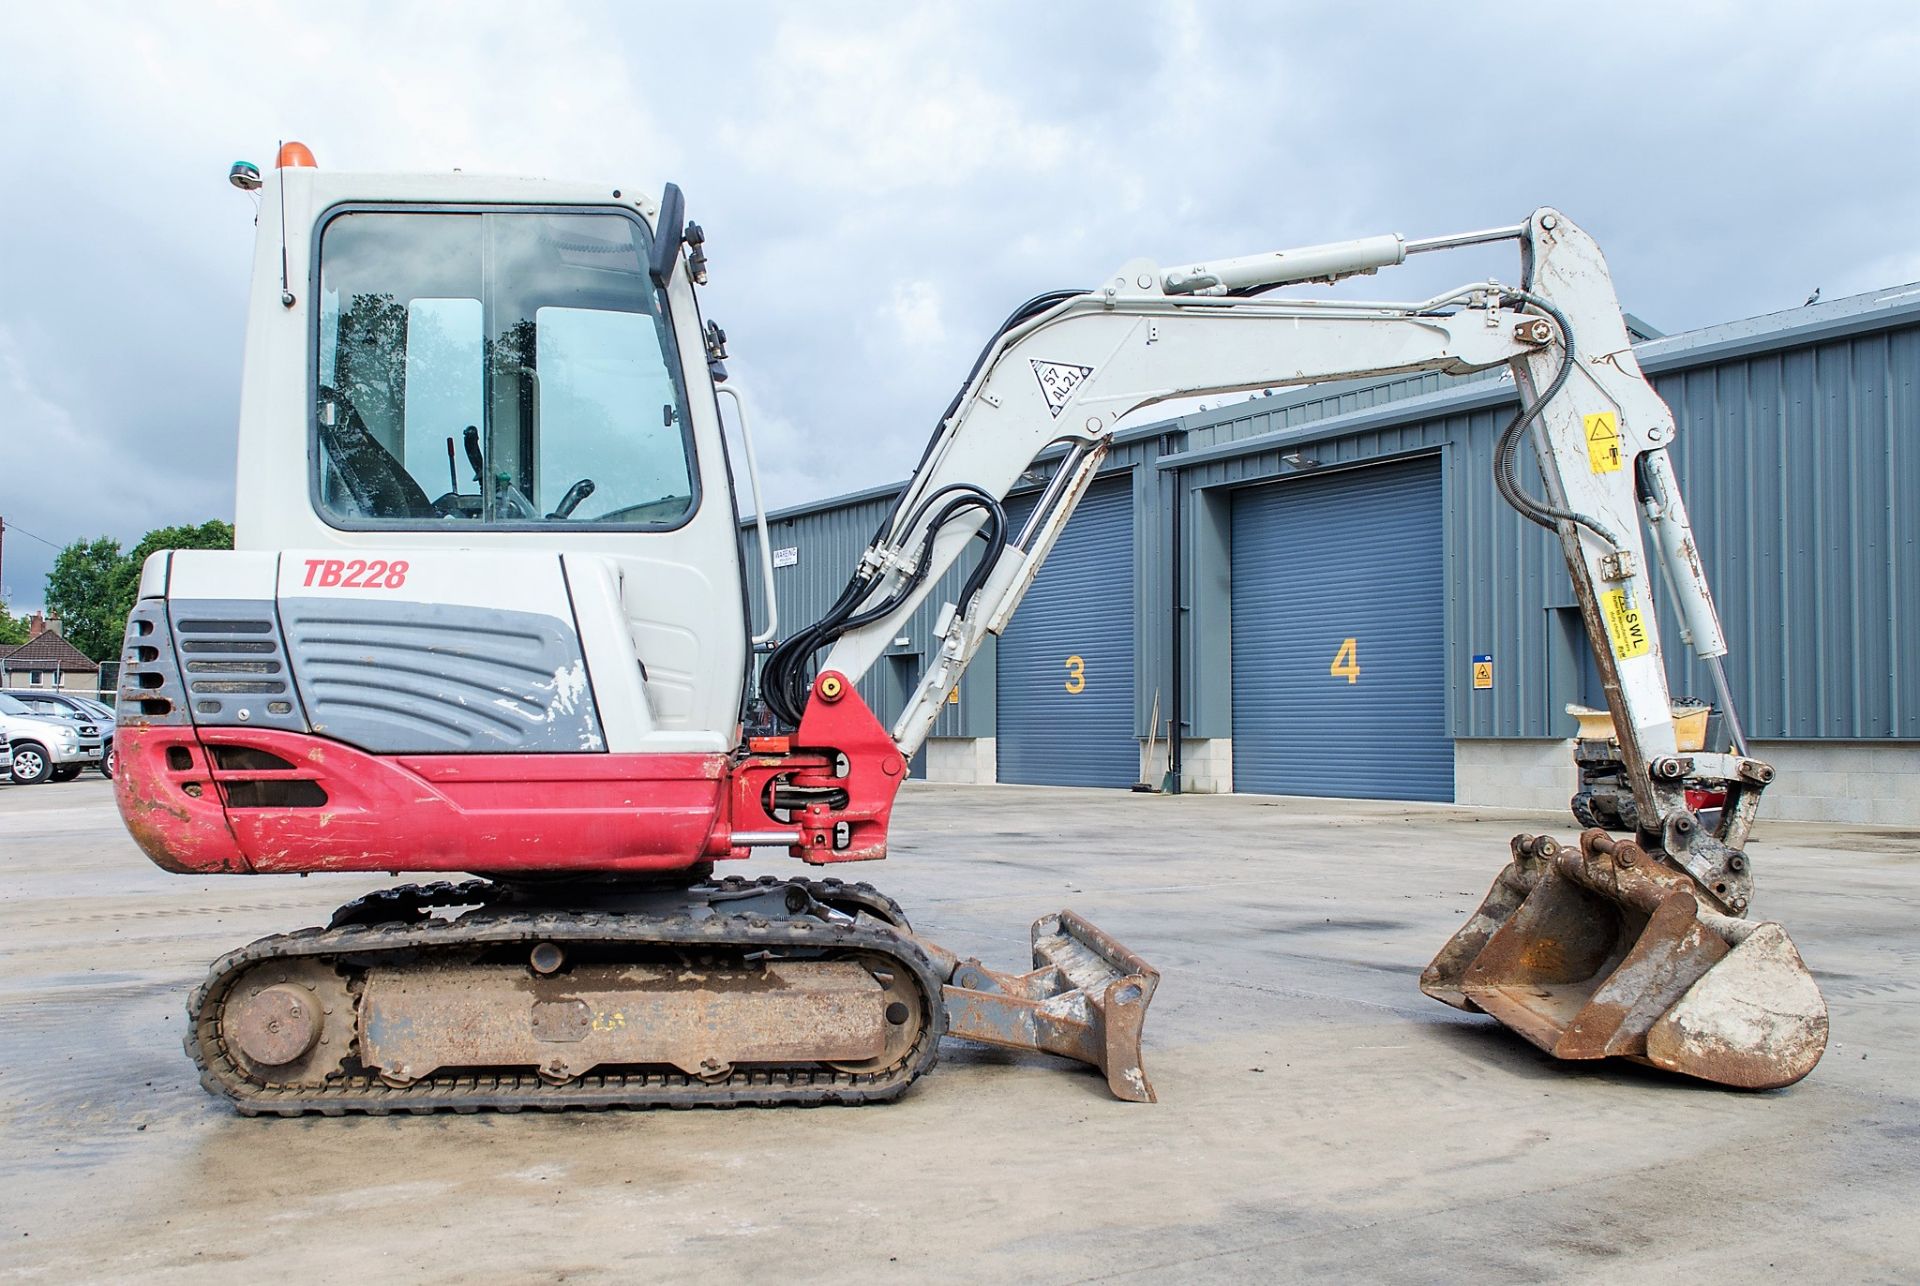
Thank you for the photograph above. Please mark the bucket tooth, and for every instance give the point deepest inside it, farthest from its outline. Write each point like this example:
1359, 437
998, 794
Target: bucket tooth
1603, 952
1086, 999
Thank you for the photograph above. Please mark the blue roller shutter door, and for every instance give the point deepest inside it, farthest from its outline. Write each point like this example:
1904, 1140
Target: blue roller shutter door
1354, 555
1065, 663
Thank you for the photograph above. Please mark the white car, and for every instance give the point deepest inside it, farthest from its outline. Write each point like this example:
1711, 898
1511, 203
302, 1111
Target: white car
96, 721
44, 749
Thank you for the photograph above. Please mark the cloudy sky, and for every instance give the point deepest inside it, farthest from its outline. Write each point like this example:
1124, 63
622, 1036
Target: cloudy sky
881, 182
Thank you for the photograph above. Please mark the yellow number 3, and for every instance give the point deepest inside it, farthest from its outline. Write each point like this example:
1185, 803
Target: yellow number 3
1346, 662
1076, 674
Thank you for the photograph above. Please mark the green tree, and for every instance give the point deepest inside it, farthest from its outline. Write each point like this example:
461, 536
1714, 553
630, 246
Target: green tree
81, 590
93, 584
12, 628
126, 590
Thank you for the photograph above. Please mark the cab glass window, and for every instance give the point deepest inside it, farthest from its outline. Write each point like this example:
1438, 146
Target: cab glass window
496, 367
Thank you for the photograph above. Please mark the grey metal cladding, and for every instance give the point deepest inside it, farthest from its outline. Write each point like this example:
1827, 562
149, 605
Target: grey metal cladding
233, 663
150, 692
417, 678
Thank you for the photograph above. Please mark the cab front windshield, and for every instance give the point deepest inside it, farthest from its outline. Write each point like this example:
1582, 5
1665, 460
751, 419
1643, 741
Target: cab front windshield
496, 367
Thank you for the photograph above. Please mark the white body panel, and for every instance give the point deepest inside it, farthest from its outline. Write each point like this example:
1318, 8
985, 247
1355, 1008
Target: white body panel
680, 590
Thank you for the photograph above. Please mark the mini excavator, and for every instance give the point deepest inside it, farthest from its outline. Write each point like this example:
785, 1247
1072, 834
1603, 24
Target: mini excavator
487, 619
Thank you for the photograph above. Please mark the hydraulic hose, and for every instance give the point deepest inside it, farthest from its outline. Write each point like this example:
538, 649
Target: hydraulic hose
786, 675
1506, 478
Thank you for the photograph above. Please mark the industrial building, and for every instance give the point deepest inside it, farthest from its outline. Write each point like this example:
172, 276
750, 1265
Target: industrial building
1323, 593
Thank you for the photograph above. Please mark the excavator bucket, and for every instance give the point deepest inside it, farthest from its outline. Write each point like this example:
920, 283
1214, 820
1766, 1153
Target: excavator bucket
1086, 998
1603, 952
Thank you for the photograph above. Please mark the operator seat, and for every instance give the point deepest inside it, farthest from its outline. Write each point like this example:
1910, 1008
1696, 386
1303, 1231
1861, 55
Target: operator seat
378, 485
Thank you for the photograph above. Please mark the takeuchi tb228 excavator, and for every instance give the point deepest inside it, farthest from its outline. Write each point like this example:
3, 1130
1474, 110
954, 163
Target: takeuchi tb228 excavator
487, 617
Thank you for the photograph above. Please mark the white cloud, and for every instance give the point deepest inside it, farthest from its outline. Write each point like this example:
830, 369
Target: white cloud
914, 314
887, 104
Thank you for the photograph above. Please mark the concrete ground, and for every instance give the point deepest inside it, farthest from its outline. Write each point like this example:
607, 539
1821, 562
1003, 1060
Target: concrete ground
1318, 1116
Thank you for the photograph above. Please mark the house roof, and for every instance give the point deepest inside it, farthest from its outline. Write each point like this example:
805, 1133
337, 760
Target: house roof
47, 651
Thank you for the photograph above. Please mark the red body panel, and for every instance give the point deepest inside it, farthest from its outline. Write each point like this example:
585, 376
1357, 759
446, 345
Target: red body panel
196, 801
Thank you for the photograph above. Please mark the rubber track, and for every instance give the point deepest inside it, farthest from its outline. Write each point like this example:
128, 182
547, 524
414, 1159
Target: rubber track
363, 1092
411, 901
834, 892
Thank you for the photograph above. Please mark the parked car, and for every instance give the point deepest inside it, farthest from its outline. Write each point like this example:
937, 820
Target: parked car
6, 761
76, 709
45, 747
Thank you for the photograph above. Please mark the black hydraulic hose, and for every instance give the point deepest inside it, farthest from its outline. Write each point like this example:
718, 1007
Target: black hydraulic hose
1506, 478
784, 677
996, 540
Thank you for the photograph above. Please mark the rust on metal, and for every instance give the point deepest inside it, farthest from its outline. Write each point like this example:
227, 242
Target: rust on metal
275, 1025
289, 1022
415, 1020
1086, 998
1603, 951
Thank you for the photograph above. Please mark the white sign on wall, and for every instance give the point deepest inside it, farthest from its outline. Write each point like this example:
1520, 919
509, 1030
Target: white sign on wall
788, 557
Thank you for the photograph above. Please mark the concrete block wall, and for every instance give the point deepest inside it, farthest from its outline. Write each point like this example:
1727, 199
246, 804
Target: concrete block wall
1514, 772
963, 761
1877, 783
1206, 765
1842, 781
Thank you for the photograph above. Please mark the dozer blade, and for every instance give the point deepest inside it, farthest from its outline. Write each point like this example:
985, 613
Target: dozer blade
1086, 998
1604, 952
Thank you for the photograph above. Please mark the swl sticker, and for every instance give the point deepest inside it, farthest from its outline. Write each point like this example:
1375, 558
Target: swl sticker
1625, 625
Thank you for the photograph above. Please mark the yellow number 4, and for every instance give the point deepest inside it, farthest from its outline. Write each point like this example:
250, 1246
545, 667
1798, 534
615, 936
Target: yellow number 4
1346, 662
1076, 675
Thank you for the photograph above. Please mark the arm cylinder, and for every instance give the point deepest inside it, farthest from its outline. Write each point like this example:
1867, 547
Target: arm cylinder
1278, 268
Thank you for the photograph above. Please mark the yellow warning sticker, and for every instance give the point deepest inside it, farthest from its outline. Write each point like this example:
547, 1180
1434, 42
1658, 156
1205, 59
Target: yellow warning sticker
1483, 671
1625, 624
1603, 441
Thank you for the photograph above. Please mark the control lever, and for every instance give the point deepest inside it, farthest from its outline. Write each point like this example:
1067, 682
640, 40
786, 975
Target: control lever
571, 501
471, 437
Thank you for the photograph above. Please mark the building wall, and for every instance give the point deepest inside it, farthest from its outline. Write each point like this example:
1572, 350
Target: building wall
1795, 448
1858, 782
82, 681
